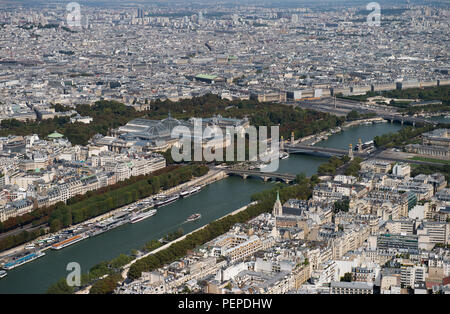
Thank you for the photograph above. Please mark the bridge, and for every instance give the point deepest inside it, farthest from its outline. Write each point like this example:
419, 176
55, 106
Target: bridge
245, 173
317, 150
404, 119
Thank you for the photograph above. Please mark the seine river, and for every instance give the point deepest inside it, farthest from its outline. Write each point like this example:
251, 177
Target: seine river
213, 202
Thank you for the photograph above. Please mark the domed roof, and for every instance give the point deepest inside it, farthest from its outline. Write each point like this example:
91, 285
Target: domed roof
170, 123
55, 135
158, 130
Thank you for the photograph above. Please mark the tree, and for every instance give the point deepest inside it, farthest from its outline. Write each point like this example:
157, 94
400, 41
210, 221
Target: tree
300, 178
341, 206
55, 225
106, 285
352, 115
60, 287
347, 277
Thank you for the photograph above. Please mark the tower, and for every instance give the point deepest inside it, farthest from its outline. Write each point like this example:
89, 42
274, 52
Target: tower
292, 138
350, 151
277, 207
282, 143
360, 146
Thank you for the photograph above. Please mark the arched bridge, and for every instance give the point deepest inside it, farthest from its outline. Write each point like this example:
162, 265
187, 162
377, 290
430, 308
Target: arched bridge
245, 173
318, 150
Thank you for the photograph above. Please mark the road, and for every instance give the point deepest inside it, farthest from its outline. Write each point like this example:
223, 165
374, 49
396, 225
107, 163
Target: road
29, 227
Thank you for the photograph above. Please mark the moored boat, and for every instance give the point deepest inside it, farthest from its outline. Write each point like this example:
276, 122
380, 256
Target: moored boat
69, 241
23, 260
167, 200
142, 216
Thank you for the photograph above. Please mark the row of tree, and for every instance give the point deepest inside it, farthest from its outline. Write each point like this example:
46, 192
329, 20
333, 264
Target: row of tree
329, 168
430, 169
110, 269
40, 216
353, 167
400, 138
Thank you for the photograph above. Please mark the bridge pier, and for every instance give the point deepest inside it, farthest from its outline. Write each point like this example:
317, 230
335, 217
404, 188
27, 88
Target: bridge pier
266, 179
402, 122
414, 123
244, 176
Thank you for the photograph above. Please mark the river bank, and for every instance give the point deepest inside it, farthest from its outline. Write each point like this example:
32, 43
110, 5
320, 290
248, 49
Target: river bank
210, 177
126, 268
323, 136
349, 124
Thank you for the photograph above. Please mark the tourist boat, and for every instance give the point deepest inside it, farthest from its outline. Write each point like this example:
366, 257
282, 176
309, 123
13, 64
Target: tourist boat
97, 232
3, 273
23, 260
167, 200
284, 155
142, 216
69, 241
191, 191
184, 193
194, 217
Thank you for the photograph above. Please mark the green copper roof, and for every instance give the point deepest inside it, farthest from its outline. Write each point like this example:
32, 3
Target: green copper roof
206, 76
55, 135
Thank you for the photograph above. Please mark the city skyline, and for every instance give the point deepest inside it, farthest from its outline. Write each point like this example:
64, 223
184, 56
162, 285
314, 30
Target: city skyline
231, 148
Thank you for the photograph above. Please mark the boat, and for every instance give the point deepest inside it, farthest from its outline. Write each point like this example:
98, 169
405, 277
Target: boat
30, 247
97, 232
3, 273
118, 223
191, 191
194, 217
284, 155
69, 241
184, 193
167, 200
142, 216
23, 260
195, 190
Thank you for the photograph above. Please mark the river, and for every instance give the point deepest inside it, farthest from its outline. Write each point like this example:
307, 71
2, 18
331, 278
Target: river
213, 202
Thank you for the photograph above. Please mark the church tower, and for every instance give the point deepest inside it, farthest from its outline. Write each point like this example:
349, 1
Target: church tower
277, 207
